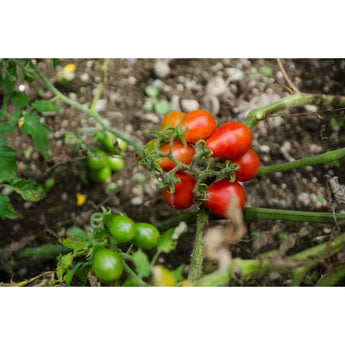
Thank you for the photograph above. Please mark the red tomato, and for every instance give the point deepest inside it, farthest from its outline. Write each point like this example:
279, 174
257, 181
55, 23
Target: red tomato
172, 119
230, 141
182, 198
181, 153
201, 125
249, 165
221, 194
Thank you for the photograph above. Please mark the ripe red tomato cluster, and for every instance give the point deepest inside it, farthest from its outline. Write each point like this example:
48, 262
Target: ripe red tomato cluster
230, 141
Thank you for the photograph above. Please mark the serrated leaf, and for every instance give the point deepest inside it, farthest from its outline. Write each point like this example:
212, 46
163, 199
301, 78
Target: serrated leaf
69, 275
19, 100
142, 264
28, 190
38, 131
6, 208
8, 164
64, 261
178, 273
73, 243
6, 127
45, 106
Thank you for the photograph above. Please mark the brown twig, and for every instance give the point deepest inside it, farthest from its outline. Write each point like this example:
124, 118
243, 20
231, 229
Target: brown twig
291, 87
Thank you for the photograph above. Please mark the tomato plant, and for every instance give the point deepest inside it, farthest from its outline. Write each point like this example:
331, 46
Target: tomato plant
222, 194
182, 197
146, 236
115, 163
249, 165
121, 227
230, 141
182, 153
107, 265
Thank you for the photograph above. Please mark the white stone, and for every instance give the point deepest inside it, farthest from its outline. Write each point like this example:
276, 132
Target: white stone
189, 105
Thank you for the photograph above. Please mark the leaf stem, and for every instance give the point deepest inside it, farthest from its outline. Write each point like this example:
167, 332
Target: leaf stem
329, 156
256, 115
100, 85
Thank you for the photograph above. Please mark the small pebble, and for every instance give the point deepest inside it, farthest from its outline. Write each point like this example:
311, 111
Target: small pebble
211, 104
151, 118
189, 105
101, 105
234, 74
64, 196
216, 86
137, 200
175, 103
84, 77
161, 69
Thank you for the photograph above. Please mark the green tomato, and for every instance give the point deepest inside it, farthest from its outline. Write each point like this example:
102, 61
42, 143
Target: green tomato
162, 107
99, 176
115, 163
122, 144
121, 227
107, 265
97, 163
146, 236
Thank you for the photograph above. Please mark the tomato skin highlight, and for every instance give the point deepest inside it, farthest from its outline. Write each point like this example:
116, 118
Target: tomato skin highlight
201, 125
221, 195
180, 152
121, 227
249, 165
183, 195
107, 265
172, 120
230, 141
146, 236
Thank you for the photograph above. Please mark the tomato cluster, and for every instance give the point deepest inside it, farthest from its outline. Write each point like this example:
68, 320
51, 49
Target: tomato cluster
107, 265
100, 164
229, 142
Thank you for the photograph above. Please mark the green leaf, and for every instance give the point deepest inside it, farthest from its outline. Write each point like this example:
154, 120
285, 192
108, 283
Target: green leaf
38, 132
6, 209
69, 275
28, 190
54, 62
6, 127
8, 165
19, 100
178, 273
168, 240
142, 264
73, 243
76, 232
63, 263
9, 85
45, 106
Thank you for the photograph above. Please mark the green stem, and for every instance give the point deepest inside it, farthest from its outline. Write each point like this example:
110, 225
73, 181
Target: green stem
197, 258
266, 264
329, 156
298, 99
100, 85
92, 113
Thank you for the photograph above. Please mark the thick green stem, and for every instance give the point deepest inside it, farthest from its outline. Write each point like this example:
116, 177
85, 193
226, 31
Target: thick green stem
92, 113
299, 264
294, 100
251, 213
197, 258
329, 156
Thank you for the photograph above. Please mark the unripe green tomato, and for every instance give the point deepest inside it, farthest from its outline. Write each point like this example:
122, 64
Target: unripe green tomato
99, 176
115, 163
29, 76
122, 228
97, 163
107, 265
146, 236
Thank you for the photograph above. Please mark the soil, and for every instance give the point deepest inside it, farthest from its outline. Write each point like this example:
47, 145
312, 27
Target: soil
300, 132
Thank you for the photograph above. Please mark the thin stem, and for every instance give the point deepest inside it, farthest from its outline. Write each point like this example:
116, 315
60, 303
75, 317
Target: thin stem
94, 114
256, 115
291, 86
100, 85
329, 156
197, 258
